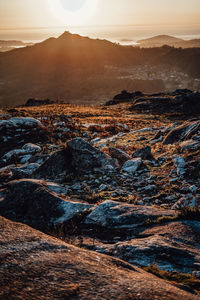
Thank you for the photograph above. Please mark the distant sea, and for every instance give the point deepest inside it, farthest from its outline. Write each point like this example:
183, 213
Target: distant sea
125, 35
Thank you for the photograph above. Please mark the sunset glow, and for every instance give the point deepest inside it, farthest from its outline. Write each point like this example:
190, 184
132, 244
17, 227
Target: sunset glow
113, 19
73, 12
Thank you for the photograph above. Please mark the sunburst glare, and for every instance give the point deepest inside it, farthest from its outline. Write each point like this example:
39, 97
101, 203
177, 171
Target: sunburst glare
73, 12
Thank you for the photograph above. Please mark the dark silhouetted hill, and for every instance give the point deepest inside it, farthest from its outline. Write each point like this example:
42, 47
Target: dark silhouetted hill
72, 67
161, 40
7, 45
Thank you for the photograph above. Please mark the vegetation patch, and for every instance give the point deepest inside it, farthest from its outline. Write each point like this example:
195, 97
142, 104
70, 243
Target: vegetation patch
184, 281
187, 213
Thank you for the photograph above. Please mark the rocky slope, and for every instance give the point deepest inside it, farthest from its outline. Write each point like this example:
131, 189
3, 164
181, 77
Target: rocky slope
37, 266
106, 179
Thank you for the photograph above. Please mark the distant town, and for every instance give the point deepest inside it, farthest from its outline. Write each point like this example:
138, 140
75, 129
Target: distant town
172, 77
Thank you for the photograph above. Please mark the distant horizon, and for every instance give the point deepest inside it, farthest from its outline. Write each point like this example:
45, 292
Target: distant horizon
129, 32
36, 20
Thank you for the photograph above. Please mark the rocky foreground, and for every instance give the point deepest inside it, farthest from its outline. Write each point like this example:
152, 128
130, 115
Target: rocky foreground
113, 183
37, 266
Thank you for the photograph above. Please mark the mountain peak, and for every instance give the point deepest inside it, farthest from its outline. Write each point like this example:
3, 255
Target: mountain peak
67, 34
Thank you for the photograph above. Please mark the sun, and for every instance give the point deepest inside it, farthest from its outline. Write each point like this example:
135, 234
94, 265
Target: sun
73, 12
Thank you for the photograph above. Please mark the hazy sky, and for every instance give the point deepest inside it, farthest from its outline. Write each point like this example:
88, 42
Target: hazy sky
15, 14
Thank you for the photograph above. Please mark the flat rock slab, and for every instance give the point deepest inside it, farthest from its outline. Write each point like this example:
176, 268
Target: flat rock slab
173, 246
112, 214
37, 266
187, 232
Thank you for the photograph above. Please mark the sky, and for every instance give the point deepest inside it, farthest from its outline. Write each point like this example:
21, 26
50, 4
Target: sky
37, 19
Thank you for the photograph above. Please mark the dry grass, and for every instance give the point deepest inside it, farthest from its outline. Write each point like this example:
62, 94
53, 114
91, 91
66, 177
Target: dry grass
186, 213
185, 281
93, 114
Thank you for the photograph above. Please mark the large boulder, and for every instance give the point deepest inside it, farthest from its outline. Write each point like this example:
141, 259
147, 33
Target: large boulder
24, 171
119, 154
86, 157
21, 155
182, 132
38, 266
189, 103
124, 96
144, 153
77, 157
57, 164
180, 101
154, 104
16, 132
33, 203
180, 92
131, 166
